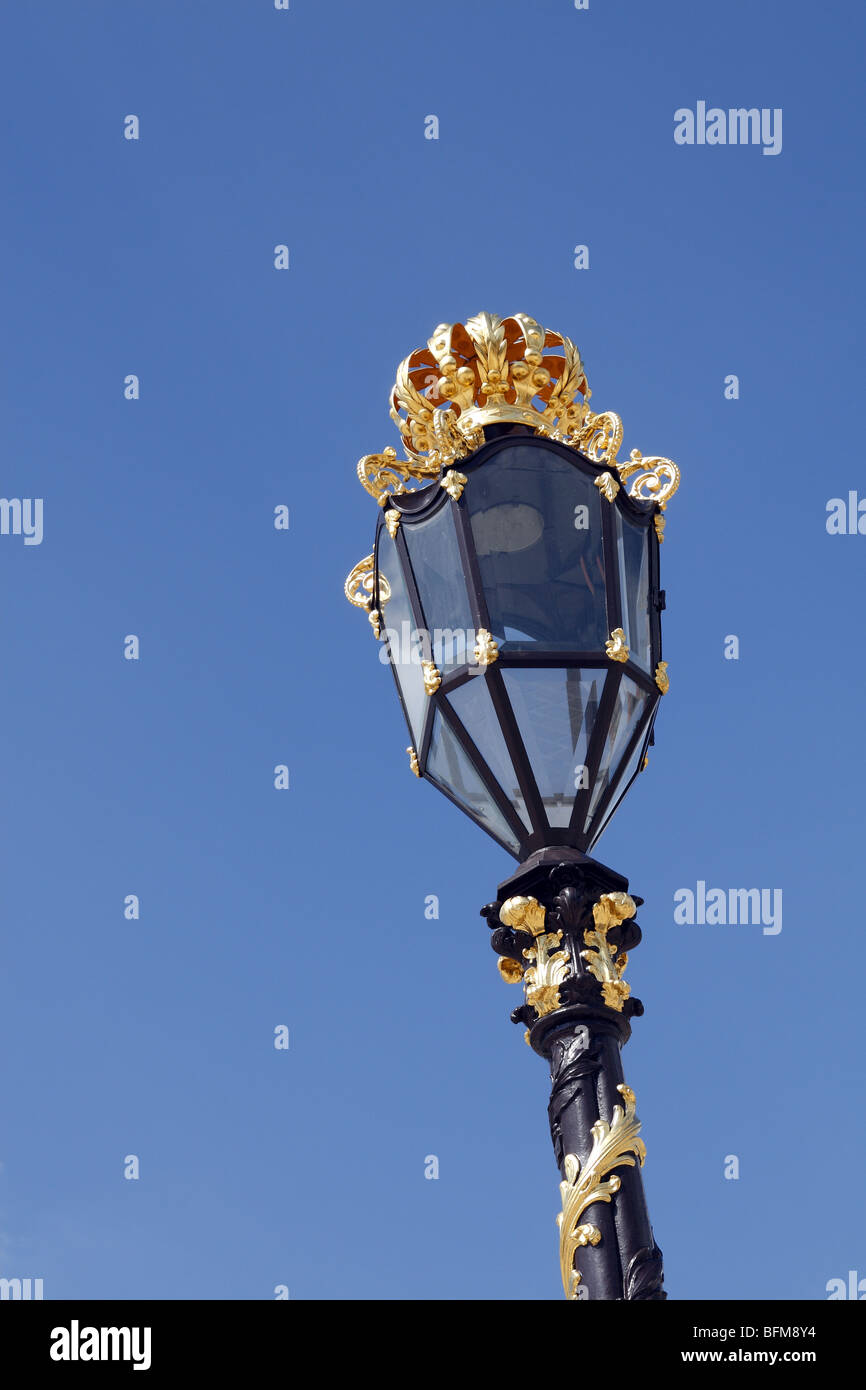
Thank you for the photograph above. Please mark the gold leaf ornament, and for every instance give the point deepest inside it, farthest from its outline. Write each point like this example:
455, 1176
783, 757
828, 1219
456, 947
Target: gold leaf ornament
454, 483
603, 960
432, 677
614, 1145
486, 649
548, 967
607, 485
510, 970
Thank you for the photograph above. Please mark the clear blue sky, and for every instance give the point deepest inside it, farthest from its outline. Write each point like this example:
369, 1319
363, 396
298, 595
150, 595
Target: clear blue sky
306, 907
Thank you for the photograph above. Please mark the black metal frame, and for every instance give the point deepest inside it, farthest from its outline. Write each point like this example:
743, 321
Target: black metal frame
424, 504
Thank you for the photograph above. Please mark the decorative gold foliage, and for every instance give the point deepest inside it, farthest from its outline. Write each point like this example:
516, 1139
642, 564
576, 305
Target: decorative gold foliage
548, 967
432, 677
615, 647
453, 483
510, 970
603, 961
496, 371
523, 914
614, 1145
607, 485
486, 649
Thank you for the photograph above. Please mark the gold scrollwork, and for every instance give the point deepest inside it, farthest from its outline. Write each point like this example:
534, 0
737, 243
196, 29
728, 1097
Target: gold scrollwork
653, 479
600, 437
384, 474
358, 589
614, 1145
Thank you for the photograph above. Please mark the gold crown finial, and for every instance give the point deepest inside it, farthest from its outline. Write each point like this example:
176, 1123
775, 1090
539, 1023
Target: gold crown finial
486, 371
500, 371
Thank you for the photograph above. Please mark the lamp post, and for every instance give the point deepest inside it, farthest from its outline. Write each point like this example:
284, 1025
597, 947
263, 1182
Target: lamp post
515, 583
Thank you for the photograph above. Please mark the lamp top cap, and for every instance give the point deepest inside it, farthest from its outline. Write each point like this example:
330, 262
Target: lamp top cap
500, 371
488, 371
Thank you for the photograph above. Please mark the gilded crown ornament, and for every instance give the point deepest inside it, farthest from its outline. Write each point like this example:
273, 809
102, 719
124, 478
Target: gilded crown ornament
500, 371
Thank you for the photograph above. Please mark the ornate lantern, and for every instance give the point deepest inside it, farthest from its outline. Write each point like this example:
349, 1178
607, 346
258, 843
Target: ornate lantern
514, 583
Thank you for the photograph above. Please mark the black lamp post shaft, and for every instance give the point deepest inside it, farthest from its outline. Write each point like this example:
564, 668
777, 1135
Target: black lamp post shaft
568, 922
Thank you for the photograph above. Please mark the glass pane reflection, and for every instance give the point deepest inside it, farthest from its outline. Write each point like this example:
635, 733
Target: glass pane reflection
556, 711
449, 767
438, 570
474, 707
536, 524
633, 557
628, 708
398, 624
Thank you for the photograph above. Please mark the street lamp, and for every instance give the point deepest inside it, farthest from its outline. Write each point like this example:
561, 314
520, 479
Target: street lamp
514, 584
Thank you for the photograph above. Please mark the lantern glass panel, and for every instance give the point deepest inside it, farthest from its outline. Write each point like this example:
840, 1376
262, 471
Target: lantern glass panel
629, 772
398, 622
628, 707
536, 524
439, 574
474, 707
555, 711
632, 543
448, 766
